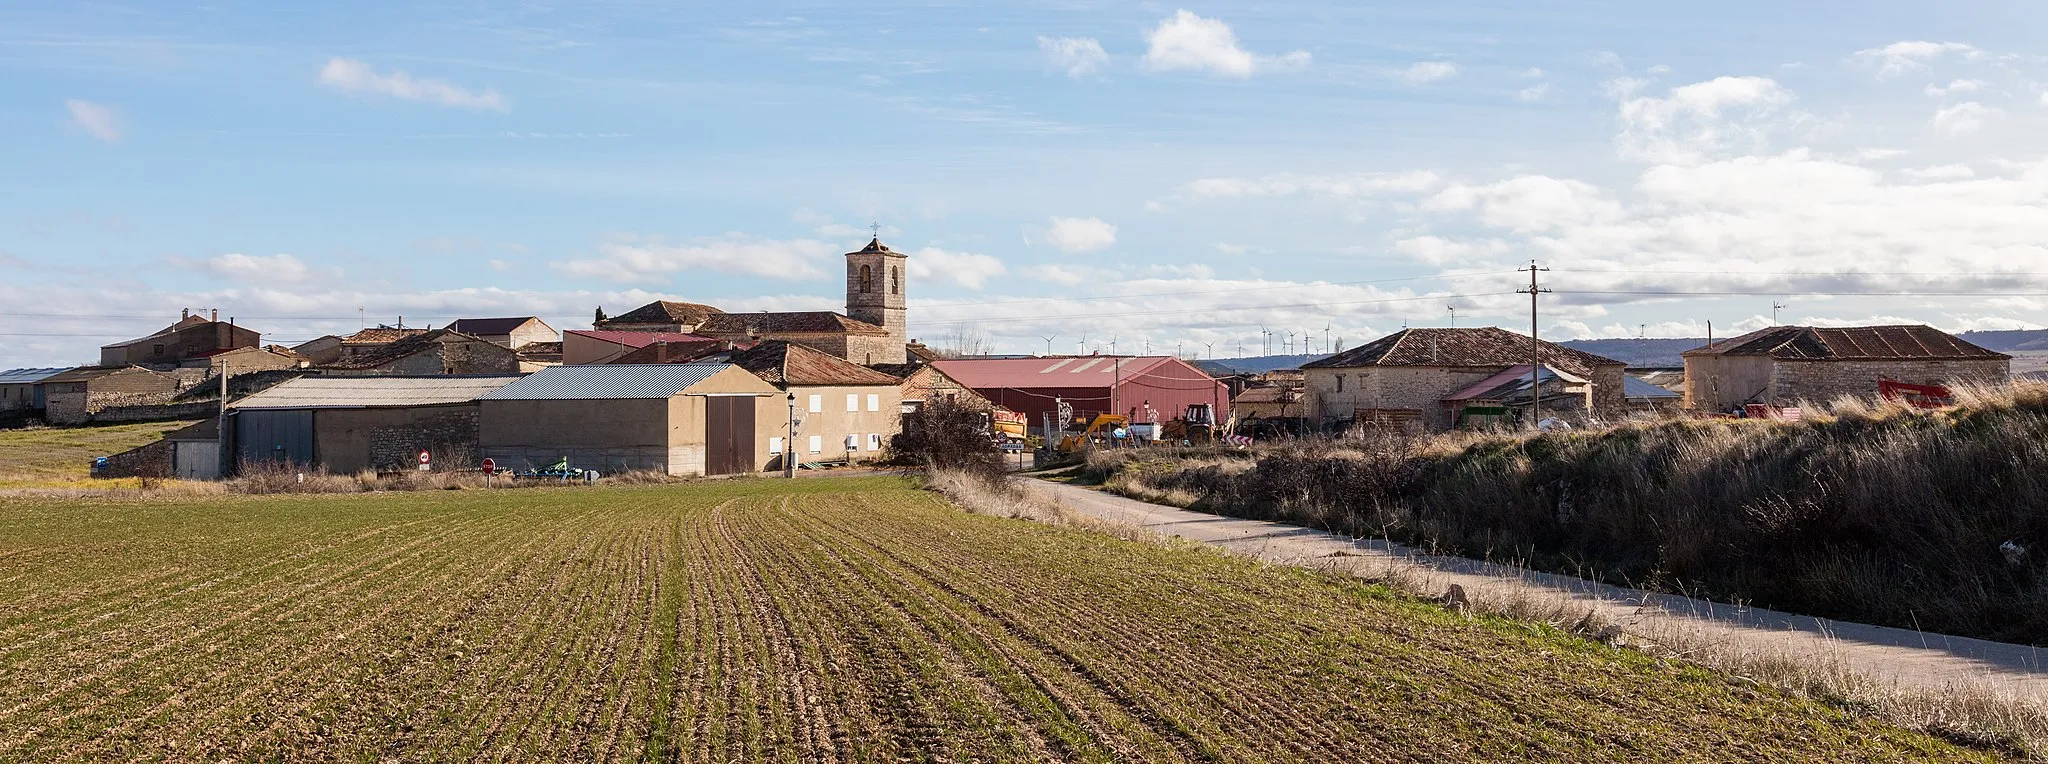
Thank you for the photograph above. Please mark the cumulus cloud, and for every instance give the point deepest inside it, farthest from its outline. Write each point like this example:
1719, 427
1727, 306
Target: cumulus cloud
1957, 86
1429, 71
961, 268
1697, 121
98, 121
1080, 234
1077, 56
1345, 186
1908, 55
280, 269
634, 259
354, 76
1964, 118
1533, 92
1187, 42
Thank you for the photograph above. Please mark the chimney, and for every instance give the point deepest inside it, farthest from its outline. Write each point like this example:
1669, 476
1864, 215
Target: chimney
184, 313
661, 351
216, 315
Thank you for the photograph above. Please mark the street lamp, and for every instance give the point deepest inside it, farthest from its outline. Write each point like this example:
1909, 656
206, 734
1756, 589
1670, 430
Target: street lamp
789, 443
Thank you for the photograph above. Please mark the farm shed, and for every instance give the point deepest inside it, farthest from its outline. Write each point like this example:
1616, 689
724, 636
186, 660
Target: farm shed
1405, 377
72, 397
1789, 365
1145, 388
22, 389
677, 419
350, 424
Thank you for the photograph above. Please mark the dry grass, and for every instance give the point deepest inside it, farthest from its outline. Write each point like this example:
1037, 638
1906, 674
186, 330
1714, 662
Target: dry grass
61, 457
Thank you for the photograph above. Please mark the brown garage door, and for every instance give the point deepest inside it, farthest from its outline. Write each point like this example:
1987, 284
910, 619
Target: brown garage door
728, 434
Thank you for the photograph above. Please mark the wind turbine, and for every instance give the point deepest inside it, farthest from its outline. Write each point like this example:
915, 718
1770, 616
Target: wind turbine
1048, 342
1326, 336
1212, 349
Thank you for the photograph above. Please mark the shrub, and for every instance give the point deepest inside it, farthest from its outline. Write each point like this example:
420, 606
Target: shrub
945, 435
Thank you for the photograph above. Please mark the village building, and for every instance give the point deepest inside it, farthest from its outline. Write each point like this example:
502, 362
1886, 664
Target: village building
246, 360
440, 351
1402, 380
674, 419
534, 356
72, 397
1147, 389
345, 425
926, 383
514, 333
582, 347
334, 349
872, 331
191, 337
1790, 365
21, 390
849, 412
658, 316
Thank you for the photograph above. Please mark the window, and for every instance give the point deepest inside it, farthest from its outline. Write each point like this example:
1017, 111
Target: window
852, 443
874, 402
852, 402
817, 444
817, 404
895, 280
1340, 383
874, 442
156, 350
867, 280
775, 445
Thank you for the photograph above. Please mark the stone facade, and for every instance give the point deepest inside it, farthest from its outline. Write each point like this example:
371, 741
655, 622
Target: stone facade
1338, 394
74, 397
191, 337
1795, 382
877, 292
452, 354
449, 436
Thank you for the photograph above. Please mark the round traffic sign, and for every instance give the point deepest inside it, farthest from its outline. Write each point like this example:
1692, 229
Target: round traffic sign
490, 466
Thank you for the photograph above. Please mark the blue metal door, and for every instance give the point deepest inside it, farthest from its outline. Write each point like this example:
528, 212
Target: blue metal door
274, 437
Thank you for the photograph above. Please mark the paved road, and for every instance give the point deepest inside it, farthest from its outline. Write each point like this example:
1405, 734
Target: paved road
1901, 656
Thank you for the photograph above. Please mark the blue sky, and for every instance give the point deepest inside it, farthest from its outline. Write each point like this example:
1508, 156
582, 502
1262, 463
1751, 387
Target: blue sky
1178, 174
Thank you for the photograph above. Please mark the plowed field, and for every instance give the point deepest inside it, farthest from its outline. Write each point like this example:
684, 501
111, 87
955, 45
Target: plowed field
811, 620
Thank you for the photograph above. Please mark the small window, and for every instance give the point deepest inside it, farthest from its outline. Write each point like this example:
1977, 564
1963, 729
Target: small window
157, 349
1340, 383
817, 404
895, 280
867, 280
817, 444
775, 445
874, 402
852, 401
853, 442
874, 442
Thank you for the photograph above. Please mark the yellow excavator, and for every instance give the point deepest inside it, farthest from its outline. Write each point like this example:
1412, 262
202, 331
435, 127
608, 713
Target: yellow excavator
1098, 430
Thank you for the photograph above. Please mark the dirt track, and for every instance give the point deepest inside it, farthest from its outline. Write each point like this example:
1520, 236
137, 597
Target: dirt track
1907, 658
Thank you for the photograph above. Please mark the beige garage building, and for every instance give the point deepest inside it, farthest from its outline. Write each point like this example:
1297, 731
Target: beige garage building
678, 419
349, 424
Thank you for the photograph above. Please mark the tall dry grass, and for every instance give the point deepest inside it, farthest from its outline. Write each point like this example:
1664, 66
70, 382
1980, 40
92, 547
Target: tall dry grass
1866, 511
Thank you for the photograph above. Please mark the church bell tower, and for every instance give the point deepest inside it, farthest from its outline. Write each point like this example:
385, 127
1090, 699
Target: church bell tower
875, 292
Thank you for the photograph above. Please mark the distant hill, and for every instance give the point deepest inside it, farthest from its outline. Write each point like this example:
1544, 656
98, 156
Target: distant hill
1639, 352
2009, 341
1257, 364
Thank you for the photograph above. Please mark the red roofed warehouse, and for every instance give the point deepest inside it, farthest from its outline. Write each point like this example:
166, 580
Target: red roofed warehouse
1148, 389
1788, 365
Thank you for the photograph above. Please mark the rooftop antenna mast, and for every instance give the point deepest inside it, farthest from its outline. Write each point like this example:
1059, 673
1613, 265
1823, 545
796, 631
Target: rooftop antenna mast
1775, 307
1454, 315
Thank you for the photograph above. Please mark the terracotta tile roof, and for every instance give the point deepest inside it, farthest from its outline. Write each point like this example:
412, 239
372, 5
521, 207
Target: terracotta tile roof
485, 327
898, 370
1482, 346
665, 312
672, 351
90, 373
1852, 343
540, 351
921, 352
783, 364
636, 339
802, 322
414, 344
285, 351
380, 336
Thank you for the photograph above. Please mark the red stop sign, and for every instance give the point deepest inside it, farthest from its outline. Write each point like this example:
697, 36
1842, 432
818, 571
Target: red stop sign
490, 466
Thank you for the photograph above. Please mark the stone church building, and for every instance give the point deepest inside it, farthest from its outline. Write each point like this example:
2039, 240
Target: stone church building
873, 330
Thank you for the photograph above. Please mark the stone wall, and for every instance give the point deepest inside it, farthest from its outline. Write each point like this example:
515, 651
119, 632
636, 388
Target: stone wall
153, 460
865, 350
157, 412
1423, 388
1796, 382
449, 437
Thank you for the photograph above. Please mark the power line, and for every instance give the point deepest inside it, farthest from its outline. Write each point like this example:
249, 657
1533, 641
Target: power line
1224, 308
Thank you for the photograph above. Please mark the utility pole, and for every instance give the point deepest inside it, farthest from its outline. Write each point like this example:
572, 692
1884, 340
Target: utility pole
1775, 306
1535, 347
1115, 371
789, 443
220, 434
1454, 315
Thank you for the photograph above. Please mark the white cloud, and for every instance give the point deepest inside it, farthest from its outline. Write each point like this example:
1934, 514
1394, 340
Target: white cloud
962, 268
1429, 71
1532, 73
96, 120
1077, 56
1529, 203
1623, 87
1185, 41
1436, 250
1351, 186
1533, 92
274, 270
1080, 234
1908, 55
1964, 118
1957, 86
1695, 122
351, 75
630, 259
1939, 172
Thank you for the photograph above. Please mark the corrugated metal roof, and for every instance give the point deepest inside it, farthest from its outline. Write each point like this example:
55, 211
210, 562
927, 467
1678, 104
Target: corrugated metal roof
1512, 380
29, 376
372, 392
1639, 388
607, 382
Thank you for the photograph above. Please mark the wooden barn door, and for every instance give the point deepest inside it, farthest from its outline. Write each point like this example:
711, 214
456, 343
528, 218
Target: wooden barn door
728, 434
